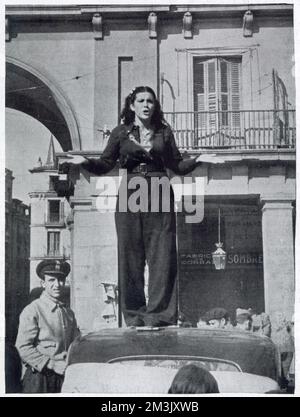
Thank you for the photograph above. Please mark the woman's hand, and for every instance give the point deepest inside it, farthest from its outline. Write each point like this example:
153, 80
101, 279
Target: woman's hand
73, 160
210, 158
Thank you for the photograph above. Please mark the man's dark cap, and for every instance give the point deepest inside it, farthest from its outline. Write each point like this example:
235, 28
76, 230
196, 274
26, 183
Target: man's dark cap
216, 313
53, 267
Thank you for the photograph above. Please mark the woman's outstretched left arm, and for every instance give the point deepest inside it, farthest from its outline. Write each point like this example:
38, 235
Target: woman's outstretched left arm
180, 165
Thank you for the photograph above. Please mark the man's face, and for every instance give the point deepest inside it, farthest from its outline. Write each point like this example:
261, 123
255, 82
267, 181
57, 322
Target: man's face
217, 323
53, 285
214, 323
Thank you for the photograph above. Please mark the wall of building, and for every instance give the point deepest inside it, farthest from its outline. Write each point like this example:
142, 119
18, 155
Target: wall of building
273, 177
243, 284
42, 192
126, 38
94, 261
272, 46
94, 96
61, 51
17, 251
38, 244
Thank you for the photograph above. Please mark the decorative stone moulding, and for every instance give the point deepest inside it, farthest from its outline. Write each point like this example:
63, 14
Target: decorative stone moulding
7, 29
248, 24
97, 22
152, 25
187, 25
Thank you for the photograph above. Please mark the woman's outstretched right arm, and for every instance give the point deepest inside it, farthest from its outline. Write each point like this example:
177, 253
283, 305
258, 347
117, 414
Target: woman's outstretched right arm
106, 162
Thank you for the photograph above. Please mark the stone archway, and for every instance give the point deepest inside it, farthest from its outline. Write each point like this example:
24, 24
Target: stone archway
33, 93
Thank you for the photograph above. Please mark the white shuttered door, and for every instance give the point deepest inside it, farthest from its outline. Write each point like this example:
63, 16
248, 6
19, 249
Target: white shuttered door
217, 94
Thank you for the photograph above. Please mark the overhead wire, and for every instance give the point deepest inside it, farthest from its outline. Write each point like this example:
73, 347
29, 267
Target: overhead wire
110, 67
92, 73
143, 58
77, 77
264, 88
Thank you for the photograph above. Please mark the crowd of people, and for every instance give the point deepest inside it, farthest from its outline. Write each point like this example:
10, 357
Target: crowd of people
245, 319
281, 331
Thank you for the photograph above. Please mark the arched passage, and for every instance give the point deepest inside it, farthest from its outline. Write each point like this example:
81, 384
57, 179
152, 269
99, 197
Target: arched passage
31, 92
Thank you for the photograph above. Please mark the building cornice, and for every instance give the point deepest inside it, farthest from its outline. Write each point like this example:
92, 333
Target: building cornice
84, 12
41, 258
229, 155
279, 201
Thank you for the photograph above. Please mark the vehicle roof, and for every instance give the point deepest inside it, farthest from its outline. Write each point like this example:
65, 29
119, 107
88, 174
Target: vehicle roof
254, 354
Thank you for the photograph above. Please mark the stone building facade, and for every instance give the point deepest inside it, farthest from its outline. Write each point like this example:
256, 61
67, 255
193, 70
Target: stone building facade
50, 217
17, 251
225, 77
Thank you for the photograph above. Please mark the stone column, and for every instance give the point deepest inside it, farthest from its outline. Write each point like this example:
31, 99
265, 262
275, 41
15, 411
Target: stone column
278, 252
94, 254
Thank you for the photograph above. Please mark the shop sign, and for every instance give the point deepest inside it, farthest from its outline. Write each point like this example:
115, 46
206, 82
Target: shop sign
205, 258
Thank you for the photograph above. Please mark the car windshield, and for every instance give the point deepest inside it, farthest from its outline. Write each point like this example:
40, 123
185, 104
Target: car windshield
176, 362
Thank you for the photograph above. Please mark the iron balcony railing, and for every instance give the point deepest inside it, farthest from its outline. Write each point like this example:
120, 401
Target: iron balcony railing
56, 252
244, 129
57, 221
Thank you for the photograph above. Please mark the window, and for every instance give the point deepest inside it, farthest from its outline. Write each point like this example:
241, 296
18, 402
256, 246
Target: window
52, 182
125, 79
53, 244
176, 362
217, 92
55, 211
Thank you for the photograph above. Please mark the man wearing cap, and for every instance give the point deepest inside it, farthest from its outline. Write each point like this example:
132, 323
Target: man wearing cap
261, 323
243, 319
46, 329
217, 317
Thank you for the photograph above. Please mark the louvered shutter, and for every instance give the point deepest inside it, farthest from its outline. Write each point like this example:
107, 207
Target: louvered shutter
211, 72
235, 92
224, 90
57, 243
217, 93
199, 96
51, 244
61, 213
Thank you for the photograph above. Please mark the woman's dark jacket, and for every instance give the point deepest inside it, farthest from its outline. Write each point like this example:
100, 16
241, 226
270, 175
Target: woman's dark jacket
163, 154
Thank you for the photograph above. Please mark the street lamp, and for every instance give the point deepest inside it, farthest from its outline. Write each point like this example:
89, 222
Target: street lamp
219, 256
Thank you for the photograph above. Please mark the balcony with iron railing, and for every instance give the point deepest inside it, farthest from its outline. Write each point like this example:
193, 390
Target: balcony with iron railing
234, 130
56, 253
55, 219
51, 253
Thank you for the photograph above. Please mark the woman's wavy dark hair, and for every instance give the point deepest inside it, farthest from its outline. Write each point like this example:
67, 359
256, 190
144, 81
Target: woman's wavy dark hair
127, 115
193, 379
